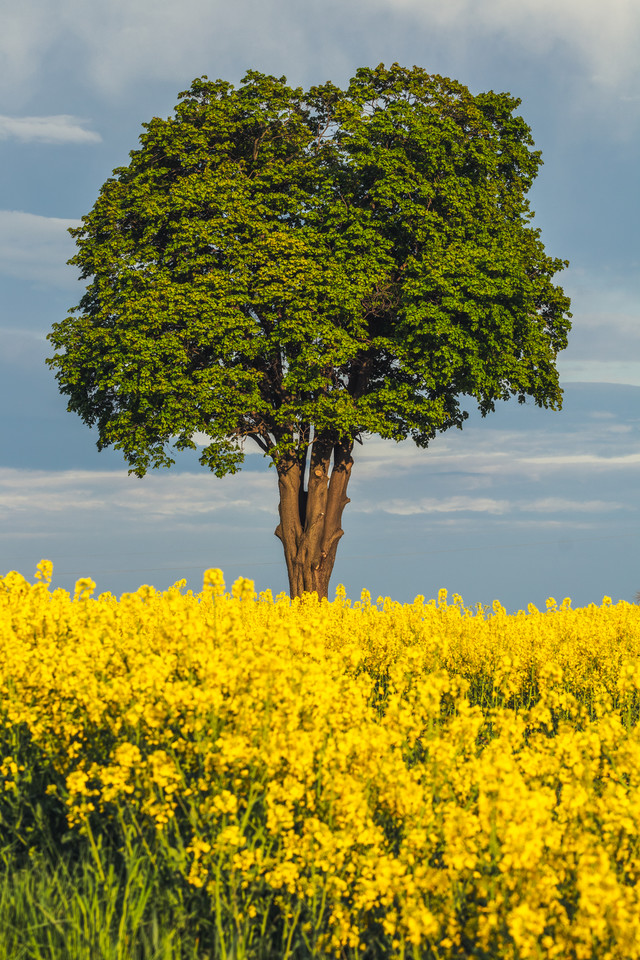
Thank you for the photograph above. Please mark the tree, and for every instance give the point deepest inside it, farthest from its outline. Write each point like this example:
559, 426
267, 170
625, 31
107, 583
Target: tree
303, 268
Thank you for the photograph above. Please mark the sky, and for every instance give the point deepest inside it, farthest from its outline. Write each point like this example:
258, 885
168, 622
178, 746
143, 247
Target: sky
521, 506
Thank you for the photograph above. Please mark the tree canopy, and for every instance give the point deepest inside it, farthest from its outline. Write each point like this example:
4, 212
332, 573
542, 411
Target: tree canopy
303, 268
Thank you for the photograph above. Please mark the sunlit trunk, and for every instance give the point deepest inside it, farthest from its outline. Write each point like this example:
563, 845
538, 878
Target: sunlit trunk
310, 518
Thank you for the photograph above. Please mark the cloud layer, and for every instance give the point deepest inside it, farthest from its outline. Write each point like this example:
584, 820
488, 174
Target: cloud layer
120, 41
603, 36
36, 248
176, 496
61, 128
517, 506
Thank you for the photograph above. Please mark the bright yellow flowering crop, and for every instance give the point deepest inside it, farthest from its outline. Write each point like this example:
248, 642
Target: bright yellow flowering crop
418, 780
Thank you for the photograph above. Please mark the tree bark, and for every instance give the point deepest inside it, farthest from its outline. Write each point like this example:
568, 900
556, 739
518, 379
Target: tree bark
310, 519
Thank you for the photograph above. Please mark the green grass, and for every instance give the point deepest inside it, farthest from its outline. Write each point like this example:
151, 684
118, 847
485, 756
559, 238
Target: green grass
96, 908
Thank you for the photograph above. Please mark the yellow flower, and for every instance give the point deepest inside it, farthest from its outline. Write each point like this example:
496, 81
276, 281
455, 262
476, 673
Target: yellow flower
214, 579
446, 777
84, 589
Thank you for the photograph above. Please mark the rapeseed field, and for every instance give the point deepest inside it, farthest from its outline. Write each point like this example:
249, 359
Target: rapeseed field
226, 775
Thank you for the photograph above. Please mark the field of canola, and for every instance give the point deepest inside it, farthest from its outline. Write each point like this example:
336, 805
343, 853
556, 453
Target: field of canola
342, 778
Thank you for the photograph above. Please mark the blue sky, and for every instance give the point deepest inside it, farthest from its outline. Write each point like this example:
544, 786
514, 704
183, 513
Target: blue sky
520, 506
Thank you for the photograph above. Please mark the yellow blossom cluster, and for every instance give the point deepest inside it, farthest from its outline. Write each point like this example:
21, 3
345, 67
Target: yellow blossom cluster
418, 780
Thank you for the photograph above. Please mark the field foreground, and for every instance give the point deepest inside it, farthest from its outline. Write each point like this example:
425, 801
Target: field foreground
232, 776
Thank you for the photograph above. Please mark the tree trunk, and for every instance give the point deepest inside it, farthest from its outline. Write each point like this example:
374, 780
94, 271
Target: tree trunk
310, 519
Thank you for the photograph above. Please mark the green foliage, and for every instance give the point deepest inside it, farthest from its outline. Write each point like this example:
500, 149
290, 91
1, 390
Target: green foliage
273, 259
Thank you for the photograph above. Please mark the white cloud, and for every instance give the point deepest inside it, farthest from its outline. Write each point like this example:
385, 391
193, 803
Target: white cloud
159, 496
124, 531
36, 248
60, 128
566, 491
560, 505
29, 28
500, 453
409, 507
600, 371
593, 461
605, 336
604, 37
120, 41
246, 444
487, 505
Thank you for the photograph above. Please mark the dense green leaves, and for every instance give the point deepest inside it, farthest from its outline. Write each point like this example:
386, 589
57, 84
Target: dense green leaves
272, 260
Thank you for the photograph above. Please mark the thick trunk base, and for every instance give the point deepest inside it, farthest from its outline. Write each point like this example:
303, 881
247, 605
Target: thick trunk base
310, 519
